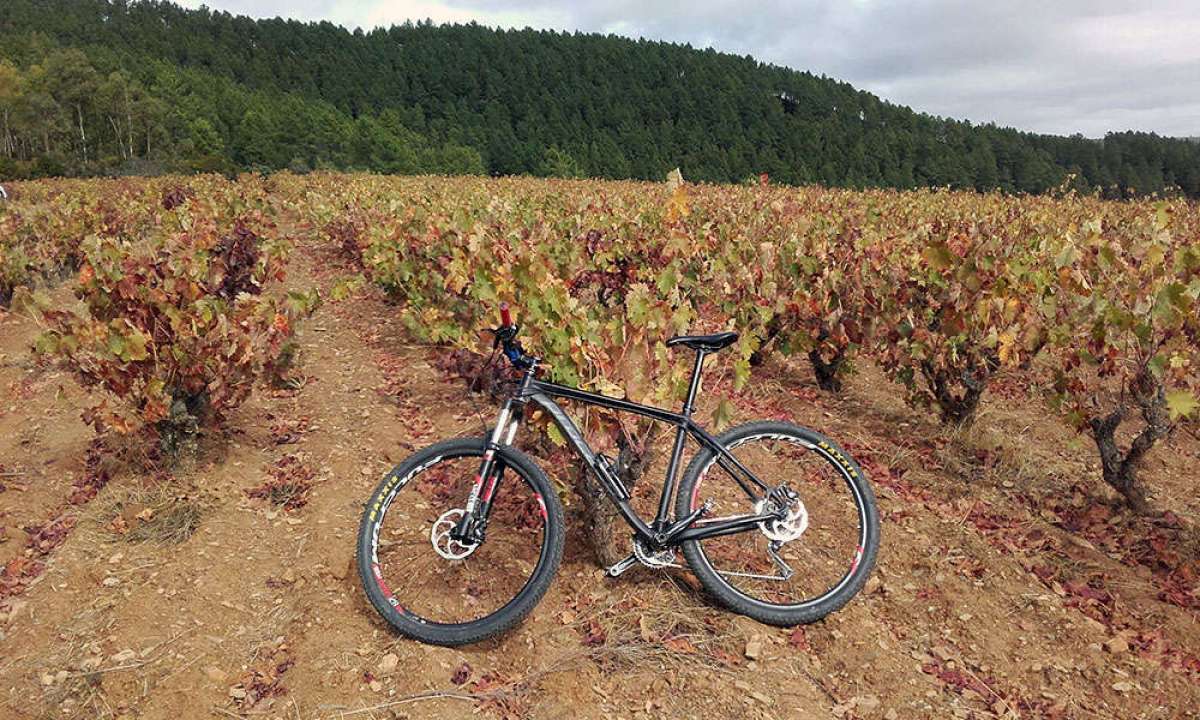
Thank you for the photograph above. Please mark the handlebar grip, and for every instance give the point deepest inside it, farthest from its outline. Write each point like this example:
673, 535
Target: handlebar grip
505, 315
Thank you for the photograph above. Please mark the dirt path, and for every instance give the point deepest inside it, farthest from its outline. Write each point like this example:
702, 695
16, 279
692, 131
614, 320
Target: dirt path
202, 602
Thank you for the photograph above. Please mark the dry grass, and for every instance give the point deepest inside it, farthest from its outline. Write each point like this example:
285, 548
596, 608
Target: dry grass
670, 626
159, 514
980, 454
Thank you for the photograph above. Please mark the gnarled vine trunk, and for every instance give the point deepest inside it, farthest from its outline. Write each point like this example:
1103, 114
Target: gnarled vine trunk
759, 356
605, 529
957, 394
1120, 469
828, 372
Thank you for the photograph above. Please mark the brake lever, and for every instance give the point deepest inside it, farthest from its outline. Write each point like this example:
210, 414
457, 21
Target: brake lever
502, 334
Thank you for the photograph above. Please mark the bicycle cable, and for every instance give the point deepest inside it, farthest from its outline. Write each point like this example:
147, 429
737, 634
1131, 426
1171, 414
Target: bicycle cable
476, 385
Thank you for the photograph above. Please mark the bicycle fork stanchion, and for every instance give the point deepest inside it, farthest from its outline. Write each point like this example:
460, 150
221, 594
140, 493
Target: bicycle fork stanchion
470, 527
465, 530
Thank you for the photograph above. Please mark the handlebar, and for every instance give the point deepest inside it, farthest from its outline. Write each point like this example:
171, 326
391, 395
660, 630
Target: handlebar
506, 337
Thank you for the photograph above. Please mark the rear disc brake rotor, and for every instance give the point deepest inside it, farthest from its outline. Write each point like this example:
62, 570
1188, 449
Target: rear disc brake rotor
790, 527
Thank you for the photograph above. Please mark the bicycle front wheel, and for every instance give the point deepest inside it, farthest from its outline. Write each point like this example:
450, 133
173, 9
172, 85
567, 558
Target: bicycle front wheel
788, 573
443, 592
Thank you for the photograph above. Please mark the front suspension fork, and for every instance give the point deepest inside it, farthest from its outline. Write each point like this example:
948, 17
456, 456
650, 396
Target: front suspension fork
470, 528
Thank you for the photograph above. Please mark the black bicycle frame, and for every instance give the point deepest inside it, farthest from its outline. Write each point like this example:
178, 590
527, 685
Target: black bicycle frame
663, 531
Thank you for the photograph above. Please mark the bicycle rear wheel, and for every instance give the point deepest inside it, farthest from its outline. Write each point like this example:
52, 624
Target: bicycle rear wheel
442, 592
795, 572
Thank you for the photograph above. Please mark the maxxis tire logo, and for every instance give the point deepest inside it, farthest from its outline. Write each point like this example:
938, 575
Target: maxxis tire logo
837, 455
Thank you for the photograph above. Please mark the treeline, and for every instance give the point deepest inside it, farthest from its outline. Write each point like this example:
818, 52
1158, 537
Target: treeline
65, 115
549, 103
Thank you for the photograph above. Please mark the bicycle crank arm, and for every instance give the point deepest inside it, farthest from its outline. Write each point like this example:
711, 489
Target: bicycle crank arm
615, 570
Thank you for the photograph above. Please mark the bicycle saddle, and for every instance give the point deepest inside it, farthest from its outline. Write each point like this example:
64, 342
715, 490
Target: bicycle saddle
707, 343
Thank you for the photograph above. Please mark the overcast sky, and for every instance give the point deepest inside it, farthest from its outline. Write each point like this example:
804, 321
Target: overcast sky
1056, 66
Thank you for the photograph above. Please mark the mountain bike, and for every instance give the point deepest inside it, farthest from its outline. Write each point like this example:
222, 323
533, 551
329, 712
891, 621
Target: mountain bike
461, 540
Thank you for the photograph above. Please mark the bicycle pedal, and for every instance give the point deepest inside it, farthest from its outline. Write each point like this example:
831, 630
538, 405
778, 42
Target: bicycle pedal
615, 570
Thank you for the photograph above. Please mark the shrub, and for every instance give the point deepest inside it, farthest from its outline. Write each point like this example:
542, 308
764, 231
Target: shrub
961, 302
176, 326
1126, 335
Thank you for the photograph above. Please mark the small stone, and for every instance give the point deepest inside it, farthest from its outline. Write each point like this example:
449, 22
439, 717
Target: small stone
111, 581
1122, 686
215, 674
761, 697
866, 702
1116, 645
237, 692
890, 714
124, 656
116, 558
340, 570
376, 686
754, 647
389, 663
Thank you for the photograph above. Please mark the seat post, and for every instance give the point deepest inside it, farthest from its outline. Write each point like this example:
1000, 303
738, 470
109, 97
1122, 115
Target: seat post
689, 404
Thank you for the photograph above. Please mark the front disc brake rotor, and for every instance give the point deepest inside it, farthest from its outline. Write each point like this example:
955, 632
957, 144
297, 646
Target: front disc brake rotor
445, 545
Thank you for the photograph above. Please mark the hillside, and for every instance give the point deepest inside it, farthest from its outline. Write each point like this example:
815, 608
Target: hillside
208, 90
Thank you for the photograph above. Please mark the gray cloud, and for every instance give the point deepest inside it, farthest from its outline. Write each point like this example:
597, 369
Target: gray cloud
1069, 66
